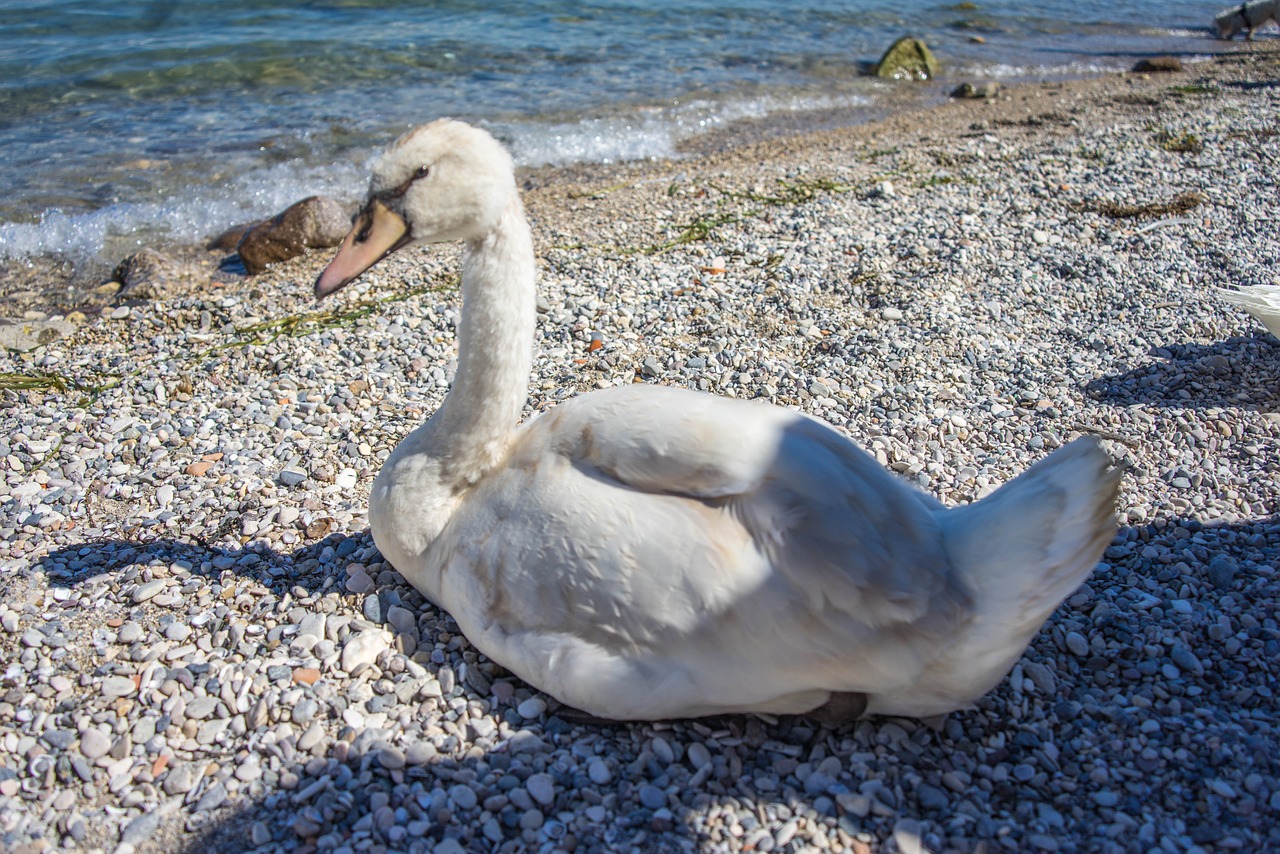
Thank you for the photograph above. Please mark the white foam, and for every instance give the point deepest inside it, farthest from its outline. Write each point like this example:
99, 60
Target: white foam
651, 133
110, 232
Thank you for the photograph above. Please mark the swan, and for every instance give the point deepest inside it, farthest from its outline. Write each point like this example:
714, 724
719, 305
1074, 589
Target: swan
645, 553
1262, 301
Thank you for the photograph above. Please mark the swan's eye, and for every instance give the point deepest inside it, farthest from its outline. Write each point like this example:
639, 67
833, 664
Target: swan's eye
422, 172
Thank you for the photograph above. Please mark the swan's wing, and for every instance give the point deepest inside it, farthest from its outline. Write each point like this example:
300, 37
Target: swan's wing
855, 544
650, 552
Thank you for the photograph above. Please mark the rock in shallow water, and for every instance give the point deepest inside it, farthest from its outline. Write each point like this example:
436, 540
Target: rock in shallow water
313, 223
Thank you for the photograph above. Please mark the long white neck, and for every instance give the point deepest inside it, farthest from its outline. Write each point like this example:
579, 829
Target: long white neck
418, 487
495, 350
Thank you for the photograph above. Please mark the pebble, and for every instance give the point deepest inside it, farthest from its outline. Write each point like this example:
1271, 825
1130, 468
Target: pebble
531, 708
364, 648
118, 686
148, 591
598, 771
197, 623
93, 744
541, 788
1077, 644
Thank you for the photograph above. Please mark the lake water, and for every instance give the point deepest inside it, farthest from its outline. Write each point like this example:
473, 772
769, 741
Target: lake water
126, 122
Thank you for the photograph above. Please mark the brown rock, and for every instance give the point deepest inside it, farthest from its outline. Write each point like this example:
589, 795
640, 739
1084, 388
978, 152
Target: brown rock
313, 223
1158, 63
144, 274
230, 239
199, 469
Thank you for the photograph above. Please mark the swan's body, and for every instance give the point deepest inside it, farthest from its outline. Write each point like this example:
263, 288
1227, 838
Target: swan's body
646, 552
1262, 301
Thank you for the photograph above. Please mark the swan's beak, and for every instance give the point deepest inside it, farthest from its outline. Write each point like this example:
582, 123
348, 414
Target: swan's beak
376, 232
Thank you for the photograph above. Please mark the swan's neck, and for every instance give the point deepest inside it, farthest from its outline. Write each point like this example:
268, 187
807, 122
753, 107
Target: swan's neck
419, 485
470, 432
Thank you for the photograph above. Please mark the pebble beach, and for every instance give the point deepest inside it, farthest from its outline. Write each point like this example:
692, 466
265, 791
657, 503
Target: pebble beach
203, 651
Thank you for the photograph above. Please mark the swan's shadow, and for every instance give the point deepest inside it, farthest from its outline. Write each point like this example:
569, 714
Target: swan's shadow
890, 770
1236, 373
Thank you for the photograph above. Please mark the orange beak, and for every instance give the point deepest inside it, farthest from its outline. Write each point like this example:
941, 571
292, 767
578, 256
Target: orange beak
376, 232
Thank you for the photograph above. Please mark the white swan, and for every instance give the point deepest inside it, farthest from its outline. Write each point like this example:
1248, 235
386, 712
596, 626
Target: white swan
646, 552
1262, 301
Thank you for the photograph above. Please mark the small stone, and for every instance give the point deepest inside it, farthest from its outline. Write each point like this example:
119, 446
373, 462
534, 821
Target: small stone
531, 709
1222, 571
932, 798
420, 753
1186, 660
214, 797
1106, 798
118, 686
140, 829
311, 737
150, 590
358, 582
391, 758
93, 744
364, 648
291, 477
463, 797
598, 771
698, 755
402, 620
1077, 644
260, 834
652, 797
306, 675
541, 788
200, 708
179, 780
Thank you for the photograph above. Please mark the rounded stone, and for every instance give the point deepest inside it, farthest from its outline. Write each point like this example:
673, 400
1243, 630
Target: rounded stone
93, 744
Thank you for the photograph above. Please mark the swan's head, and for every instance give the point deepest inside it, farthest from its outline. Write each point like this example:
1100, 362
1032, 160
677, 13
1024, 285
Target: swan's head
443, 181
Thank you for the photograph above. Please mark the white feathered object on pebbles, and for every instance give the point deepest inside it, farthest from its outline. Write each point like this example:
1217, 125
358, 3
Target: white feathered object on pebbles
644, 552
1262, 301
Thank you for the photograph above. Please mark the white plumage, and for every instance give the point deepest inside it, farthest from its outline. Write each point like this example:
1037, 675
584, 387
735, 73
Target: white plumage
1262, 301
647, 552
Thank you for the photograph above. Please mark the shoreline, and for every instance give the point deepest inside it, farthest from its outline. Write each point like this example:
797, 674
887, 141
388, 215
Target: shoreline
206, 652
56, 285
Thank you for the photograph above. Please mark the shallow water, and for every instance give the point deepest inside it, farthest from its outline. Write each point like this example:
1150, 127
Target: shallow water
128, 121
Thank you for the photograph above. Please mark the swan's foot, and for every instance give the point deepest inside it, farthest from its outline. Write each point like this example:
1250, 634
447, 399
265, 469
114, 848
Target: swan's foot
844, 707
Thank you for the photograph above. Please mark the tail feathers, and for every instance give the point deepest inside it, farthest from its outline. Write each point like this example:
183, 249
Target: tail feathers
1028, 546
1263, 302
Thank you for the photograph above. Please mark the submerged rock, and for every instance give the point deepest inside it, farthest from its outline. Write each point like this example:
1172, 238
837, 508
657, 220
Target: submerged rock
988, 89
316, 222
908, 58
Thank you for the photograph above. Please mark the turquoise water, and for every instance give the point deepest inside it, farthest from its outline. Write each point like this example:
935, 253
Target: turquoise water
129, 121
